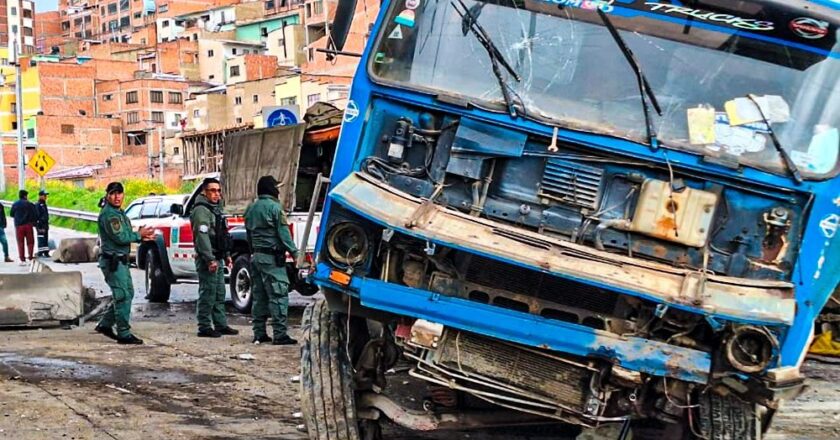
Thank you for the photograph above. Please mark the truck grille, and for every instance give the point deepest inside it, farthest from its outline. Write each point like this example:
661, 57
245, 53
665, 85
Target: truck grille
571, 183
491, 273
528, 370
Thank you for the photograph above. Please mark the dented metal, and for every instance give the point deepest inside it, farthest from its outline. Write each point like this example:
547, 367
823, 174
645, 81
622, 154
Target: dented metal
747, 300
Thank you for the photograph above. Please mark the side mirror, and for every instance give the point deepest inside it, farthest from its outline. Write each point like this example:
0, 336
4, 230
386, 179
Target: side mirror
176, 209
344, 13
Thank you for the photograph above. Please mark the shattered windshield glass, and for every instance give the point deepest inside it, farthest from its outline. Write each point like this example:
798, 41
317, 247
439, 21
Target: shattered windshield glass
702, 66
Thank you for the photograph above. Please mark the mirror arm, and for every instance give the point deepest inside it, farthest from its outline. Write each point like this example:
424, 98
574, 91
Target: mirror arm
331, 53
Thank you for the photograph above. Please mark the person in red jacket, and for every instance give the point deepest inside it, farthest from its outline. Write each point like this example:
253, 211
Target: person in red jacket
25, 215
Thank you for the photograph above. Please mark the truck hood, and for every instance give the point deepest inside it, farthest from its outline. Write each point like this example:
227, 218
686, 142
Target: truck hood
254, 153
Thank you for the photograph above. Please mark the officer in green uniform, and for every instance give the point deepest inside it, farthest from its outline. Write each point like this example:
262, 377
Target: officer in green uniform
212, 244
270, 239
116, 236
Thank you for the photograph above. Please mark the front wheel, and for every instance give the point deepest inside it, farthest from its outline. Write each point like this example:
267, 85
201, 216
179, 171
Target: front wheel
158, 287
727, 418
326, 395
240, 284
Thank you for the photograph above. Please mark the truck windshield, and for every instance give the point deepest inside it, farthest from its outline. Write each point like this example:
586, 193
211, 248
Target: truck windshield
702, 62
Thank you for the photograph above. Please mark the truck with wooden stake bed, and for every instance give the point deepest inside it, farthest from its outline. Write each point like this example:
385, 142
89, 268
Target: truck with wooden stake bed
576, 212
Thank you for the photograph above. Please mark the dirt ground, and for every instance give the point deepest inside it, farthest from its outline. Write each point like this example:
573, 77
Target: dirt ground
76, 384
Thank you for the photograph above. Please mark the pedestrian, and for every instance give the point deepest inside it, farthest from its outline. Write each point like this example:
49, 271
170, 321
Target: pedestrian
116, 236
42, 224
25, 216
212, 246
270, 239
3, 225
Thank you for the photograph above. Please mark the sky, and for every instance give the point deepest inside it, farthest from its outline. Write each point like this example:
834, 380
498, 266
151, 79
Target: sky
46, 5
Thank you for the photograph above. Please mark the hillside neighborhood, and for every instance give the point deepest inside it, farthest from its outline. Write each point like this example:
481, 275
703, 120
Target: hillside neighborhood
116, 89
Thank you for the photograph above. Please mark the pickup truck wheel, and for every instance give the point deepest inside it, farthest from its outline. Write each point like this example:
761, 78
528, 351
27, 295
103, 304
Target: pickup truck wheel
157, 286
726, 418
240, 284
326, 392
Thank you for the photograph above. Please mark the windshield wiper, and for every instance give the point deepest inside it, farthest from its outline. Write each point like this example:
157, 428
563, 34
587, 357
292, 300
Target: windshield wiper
644, 87
470, 21
791, 166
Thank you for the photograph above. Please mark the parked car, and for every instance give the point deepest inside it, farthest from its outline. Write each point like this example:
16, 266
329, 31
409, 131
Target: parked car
151, 211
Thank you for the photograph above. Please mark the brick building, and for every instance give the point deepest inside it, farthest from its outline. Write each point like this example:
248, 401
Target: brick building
47, 32
250, 67
150, 106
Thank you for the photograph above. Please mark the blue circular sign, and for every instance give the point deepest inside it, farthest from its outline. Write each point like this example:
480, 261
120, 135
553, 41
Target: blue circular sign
281, 117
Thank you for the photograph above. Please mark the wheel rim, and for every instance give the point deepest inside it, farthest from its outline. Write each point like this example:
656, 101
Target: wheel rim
148, 275
243, 285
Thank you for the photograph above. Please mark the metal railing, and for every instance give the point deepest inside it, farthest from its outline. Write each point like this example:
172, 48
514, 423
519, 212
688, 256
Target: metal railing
67, 213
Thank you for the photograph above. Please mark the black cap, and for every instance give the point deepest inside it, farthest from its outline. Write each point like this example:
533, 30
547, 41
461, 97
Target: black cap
267, 186
43, 193
114, 187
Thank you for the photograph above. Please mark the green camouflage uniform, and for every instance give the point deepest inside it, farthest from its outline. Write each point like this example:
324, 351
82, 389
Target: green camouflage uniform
270, 239
116, 236
210, 309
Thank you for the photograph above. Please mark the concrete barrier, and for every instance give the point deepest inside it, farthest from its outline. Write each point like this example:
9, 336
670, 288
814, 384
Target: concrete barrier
77, 250
41, 297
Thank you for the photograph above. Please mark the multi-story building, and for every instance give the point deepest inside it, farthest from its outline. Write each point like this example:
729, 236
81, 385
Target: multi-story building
282, 35
247, 99
17, 23
250, 67
48, 32
214, 20
213, 56
151, 107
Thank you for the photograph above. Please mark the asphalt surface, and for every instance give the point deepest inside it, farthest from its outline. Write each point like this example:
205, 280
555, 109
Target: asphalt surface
76, 384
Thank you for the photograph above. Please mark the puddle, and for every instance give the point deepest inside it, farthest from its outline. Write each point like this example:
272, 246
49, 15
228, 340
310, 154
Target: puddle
35, 368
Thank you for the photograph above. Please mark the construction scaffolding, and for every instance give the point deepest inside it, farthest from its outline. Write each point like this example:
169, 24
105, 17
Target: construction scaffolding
203, 151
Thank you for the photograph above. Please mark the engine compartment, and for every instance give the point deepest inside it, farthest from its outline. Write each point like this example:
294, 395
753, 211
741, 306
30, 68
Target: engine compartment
655, 212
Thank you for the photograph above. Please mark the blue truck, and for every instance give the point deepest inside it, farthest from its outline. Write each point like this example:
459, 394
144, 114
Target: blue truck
577, 212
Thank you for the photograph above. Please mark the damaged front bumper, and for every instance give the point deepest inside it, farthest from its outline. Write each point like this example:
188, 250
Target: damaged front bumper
759, 302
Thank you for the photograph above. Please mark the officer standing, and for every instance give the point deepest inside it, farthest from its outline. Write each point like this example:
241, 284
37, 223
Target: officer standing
116, 236
42, 224
212, 244
270, 239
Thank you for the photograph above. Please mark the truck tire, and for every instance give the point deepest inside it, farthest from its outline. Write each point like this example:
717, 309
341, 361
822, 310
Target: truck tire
326, 396
240, 284
157, 286
727, 418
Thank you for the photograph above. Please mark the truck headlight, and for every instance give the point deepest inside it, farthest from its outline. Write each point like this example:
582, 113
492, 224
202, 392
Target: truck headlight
347, 244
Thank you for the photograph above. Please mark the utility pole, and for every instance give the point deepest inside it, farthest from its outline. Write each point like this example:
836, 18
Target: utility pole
160, 153
19, 111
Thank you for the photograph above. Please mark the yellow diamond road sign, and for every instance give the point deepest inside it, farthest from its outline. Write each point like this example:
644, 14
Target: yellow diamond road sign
41, 163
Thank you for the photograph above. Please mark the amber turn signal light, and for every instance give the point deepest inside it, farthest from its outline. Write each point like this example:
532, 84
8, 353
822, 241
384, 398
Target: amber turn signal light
339, 277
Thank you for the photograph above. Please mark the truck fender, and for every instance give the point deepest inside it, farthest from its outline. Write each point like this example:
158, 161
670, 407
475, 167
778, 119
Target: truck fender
160, 248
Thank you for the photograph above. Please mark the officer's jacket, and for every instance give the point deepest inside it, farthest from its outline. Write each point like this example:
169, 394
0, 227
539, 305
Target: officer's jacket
267, 226
205, 229
115, 231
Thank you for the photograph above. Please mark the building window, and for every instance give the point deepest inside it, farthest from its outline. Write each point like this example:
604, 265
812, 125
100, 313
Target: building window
164, 23
27, 32
13, 108
163, 8
123, 5
318, 7
237, 100
125, 21
14, 10
269, 4
289, 101
211, 77
102, 11
65, 25
27, 13
176, 151
107, 97
256, 99
234, 71
137, 15
196, 113
233, 51
263, 32
14, 29
67, 128
143, 41
132, 117
238, 120
112, 8
156, 96
175, 98
176, 119
210, 53
14, 125
157, 116
131, 97
312, 99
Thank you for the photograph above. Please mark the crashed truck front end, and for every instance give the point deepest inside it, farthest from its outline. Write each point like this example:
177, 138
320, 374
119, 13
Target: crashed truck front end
540, 222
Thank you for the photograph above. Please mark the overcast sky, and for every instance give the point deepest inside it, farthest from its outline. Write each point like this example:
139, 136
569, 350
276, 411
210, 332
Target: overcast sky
46, 5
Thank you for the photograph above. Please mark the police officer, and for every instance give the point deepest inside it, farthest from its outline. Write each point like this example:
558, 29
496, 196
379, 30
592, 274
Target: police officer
212, 246
116, 236
270, 239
